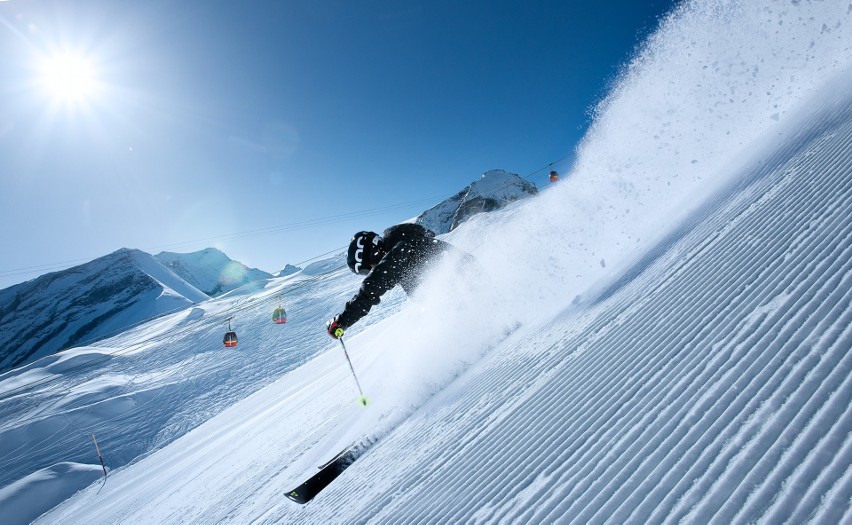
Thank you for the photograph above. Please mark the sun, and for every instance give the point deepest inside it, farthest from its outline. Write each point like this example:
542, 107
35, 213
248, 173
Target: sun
69, 77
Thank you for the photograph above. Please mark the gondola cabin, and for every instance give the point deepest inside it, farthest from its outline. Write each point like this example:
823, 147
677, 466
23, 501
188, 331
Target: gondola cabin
230, 339
554, 176
279, 316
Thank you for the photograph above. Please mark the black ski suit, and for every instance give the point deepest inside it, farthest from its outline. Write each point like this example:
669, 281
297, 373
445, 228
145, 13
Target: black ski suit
408, 250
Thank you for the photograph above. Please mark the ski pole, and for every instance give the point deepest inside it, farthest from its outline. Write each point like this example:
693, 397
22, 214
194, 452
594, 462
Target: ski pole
362, 400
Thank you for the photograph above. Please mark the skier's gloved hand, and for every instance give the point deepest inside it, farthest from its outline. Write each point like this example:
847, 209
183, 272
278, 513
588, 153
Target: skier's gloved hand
334, 329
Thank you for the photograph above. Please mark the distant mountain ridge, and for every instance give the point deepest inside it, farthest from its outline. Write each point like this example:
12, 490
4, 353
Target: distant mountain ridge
210, 270
492, 191
86, 302
289, 269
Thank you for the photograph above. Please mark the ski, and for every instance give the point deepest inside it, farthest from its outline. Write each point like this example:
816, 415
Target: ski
329, 472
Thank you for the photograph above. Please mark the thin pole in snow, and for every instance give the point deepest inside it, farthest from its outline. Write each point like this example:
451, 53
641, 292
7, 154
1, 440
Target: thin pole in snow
98, 450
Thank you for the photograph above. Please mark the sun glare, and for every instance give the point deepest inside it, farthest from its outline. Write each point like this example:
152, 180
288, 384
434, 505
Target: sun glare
69, 78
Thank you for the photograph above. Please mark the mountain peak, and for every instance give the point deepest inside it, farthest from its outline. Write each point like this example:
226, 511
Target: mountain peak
493, 190
210, 270
289, 269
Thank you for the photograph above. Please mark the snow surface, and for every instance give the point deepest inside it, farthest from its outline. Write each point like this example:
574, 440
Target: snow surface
48, 487
662, 337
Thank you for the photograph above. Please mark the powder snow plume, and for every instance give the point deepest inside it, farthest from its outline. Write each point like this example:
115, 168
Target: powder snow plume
716, 80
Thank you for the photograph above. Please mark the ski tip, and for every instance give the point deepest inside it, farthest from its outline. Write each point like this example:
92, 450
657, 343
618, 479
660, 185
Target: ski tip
295, 496
363, 401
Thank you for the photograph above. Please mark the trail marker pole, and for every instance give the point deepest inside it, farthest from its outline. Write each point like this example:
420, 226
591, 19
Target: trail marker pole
98, 450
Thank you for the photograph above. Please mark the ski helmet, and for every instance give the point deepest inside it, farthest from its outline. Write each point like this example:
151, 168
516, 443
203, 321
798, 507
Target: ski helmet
365, 250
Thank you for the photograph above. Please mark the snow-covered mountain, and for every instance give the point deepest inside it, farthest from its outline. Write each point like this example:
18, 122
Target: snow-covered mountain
289, 269
210, 270
492, 191
86, 302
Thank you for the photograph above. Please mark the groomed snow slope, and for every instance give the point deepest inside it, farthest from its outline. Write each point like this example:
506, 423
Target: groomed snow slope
712, 384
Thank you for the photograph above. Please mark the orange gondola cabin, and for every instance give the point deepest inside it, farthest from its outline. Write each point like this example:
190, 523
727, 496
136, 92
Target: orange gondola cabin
230, 339
554, 176
279, 316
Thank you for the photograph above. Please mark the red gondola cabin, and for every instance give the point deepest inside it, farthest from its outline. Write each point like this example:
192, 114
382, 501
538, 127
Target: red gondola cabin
279, 316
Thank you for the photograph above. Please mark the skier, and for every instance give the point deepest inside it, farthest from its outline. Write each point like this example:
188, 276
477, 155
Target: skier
400, 256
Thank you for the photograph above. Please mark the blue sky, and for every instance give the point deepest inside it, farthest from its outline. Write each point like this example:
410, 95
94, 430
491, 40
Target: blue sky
275, 129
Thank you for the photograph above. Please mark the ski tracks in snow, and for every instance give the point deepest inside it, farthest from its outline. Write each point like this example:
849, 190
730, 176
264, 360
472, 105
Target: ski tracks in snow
714, 388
